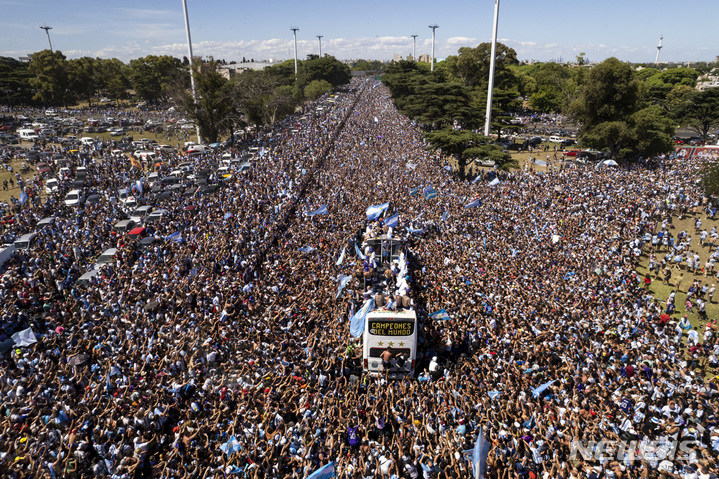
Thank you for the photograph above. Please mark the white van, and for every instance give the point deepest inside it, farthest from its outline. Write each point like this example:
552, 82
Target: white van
555, 139
87, 140
27, 134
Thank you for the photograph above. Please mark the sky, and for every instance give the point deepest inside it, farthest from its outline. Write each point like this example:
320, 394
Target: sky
543, 30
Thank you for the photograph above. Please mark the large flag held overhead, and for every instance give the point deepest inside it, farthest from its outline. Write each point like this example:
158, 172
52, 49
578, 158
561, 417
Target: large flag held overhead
441, 314
325, 472
359, 253
342, 256
307, 249
23, 197
475, 203
430, 192
374, 212
26, 337
539, 390
480, 454
392, 221
138, 185
494, 182
343, 279
414, 191
231, 446
357, 321
322, 210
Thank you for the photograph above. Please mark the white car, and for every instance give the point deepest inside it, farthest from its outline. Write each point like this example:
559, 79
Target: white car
51, 186
198, 148
74, 198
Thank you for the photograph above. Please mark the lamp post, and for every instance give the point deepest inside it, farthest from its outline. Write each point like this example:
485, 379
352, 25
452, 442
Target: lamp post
47, 31
319, 39
192, 70
488, 121
294, 32
414, 47
433, 27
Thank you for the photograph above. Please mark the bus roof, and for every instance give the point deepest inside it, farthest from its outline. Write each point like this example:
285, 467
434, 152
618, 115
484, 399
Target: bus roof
390, 315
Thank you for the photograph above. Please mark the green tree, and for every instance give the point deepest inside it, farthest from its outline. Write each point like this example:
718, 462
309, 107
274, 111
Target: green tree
702, 111
14, 82
327, 68
317, 88
213, 107
152, 76
83, 75
465, 144
262, 96
437, 105
471, 66
49, 77
610, 112
113, 78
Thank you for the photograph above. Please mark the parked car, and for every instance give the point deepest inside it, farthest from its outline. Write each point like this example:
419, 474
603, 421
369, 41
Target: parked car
51, 186
74, 198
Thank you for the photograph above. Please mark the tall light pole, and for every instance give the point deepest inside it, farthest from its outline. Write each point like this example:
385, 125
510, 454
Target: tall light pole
414, 47
656, 60
433, 27
294, 31
488, 121
319, 39
47, 31
192, 70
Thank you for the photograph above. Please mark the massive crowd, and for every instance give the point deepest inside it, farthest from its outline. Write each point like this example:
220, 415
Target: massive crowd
224, 352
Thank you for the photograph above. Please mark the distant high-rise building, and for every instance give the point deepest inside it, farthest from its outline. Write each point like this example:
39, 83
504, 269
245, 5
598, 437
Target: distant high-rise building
397, 57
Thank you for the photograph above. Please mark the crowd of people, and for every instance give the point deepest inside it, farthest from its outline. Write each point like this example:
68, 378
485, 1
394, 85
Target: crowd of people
224, 351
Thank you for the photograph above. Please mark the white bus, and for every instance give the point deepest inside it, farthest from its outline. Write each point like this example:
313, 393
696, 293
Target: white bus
393, 331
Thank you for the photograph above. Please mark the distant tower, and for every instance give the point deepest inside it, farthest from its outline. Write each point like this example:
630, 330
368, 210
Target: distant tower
659, 48
47, 31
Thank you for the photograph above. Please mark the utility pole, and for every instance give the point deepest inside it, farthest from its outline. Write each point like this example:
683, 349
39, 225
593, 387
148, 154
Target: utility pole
47, 31
433, 27
488, 122
192, 70
414, 47
319, 38
294, 31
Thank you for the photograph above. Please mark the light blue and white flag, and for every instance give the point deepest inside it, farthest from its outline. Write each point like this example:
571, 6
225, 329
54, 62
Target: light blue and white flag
480, 454
493, 394
138, 185
441, 314
475, 203
414, 191
176, 236
231, 446
322, 210
374, 212
359, 253
540, 389
357, 321
307, 249
414, 231
494, 182
479, 177
24, 338
325, 472
392, 221
23, 197
445, 216
342, 256
343, 280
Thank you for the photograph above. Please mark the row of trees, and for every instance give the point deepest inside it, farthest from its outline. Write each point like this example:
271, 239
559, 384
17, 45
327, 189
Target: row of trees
627, 111
250, 97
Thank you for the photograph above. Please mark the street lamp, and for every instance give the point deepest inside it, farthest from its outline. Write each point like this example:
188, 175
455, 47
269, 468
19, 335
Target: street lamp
414, 47
47, 31
433, 27
192, 71
294, 31
488, 121
319, 38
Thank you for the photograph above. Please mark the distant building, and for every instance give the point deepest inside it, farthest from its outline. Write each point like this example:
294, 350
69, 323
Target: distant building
397, 57
707, 81
426, 58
